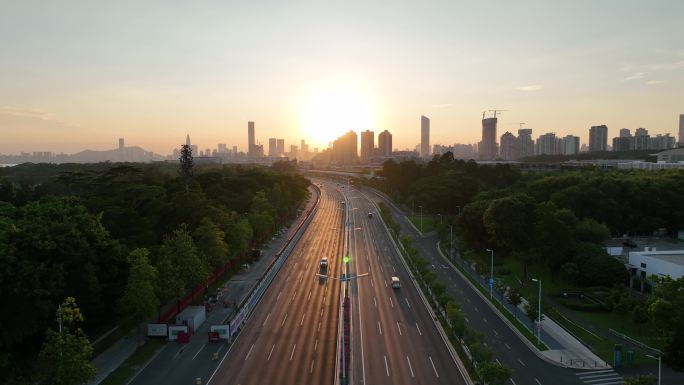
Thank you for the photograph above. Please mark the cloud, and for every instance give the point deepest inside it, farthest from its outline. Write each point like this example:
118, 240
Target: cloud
634, 76
652, 82
667, 66
26, 112
533, 87
445, 105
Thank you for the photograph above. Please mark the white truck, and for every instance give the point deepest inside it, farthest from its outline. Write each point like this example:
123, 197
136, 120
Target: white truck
192, 316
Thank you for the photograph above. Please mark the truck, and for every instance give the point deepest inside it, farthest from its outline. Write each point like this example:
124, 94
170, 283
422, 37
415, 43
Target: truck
192, 316
323, 266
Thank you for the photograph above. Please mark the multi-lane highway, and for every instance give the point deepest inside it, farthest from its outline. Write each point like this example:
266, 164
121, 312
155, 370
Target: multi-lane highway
291, 337
394, 337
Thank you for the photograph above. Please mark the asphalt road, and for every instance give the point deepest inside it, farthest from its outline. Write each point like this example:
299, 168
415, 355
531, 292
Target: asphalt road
395, 341
291, 337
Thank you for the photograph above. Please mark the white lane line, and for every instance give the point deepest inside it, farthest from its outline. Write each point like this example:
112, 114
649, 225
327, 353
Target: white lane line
321, 313
407, 302
497, 361
266, 320
311, 370
372, 282
198, 352
398, 327
293, 296
508, 347
410, 368
319, 326
521, 363
395, 270
386, 366
381, 269
288, 277
513, 382
279, 294
537, 381
379, 328
484, 319
375, 303
284, 318
418, 327
468, 299
391, 302
250, 351
467, 320
495, 332
293, 349
476, 309
302, 321
433, 366
271, 352
309, 298
316, 344
386, 283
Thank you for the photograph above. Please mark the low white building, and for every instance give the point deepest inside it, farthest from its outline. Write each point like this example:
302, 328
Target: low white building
659, 263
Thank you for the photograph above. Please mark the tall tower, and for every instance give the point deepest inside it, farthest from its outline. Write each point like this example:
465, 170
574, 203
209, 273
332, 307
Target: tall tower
367, 146
272, 147
424, 137
385, 143
681, 130
487, 147
525, 142
598, 138
187, 139
250, 139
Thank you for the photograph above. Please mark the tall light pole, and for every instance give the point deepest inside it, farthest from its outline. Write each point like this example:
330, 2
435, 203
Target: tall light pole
421, 218
656, 358
440, 218
538, 310
491, 275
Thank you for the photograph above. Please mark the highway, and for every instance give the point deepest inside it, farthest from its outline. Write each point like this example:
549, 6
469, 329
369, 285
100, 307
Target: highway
394, 339
292, 335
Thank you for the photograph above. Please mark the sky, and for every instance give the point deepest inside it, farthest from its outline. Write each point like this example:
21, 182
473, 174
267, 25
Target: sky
81, 74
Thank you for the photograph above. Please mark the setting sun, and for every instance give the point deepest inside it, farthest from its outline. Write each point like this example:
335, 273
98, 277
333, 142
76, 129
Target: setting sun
330, 112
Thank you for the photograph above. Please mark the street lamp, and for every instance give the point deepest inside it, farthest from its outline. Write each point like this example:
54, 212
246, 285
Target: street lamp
538, 310
491, 274
440, 218
656, 358
421, 218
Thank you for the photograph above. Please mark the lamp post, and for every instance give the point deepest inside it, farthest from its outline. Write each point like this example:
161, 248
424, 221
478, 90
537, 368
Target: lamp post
440, 218
538, 310
491, 275
656, 358
421, 218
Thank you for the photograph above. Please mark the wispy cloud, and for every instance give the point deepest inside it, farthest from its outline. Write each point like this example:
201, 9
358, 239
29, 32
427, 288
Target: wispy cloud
445, 105
26, 112
532, 87
634, 76
671, 66
652, 82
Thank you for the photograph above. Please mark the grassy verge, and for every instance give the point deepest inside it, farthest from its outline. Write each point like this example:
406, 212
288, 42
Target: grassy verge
124, 372
428, 223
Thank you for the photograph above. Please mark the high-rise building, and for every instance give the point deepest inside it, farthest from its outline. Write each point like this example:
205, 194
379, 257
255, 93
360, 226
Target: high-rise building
121, 143
624, 133
598, 138
525, 142
187, 139
510, 149
272, 147
548, 144
385, 143
367, 146
681, 130
251, 141
344, 149
570, 145
304, 148
487, 146
280, 147
641, 139
424, 137
661, 142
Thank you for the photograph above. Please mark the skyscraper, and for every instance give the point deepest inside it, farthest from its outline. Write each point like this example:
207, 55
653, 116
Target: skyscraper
598, 138
510, 149
548, 144
681, 130
641, 139
525, 142
250, 139
272, 147
367, 146
569, 145
385, 143
487, 147
280, 147
424, 137
344, 149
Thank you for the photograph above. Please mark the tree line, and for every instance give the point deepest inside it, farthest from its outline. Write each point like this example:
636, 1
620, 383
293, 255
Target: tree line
122, 240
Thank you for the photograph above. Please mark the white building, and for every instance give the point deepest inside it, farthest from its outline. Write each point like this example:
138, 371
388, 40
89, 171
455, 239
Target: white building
659, 263
641, 165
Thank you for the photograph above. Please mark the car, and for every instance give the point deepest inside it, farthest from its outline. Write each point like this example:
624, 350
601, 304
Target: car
370, 215
396, 284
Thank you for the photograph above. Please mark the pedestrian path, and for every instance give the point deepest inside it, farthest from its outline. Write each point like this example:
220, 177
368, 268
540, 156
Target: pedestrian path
601, 377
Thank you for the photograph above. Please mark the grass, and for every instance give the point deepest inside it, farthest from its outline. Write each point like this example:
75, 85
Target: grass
428, 222
128, 369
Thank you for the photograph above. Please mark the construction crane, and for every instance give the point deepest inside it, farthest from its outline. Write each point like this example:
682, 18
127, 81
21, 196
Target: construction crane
521, 124
497, 111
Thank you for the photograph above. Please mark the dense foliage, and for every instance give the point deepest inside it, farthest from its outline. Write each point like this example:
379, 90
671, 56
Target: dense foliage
122, 239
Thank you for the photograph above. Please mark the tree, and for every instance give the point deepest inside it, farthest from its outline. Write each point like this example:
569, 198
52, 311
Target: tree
515, 299
261, 214
507, 222
667, 311
179, 264
456, 318
140, 297
493, 373
209, 240
186, 165
480, 352
65, 356
532, 311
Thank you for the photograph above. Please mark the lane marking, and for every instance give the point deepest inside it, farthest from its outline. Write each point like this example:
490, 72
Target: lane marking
284, 318
271, 352
321, 312
293, 349
484, 319
379, 328
293, 296
476, 309
497, 361
386, 283
407, 302
418, 327
508, 347
410, 368
279, 294
302, 321
433, 366
375, 303
513, 382
381, 269
495, 332
521, 363
537, 381
386, 366
266, 320
316, 344
311, 370
395, 270
319, 327
372, 282
309, 298
198, 352
398, 327
391, 302
250, 351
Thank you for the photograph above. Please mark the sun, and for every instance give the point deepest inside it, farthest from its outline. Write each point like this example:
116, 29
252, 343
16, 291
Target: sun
331, 111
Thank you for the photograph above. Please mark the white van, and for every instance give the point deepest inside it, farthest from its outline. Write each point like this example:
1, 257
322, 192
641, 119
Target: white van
395, 283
